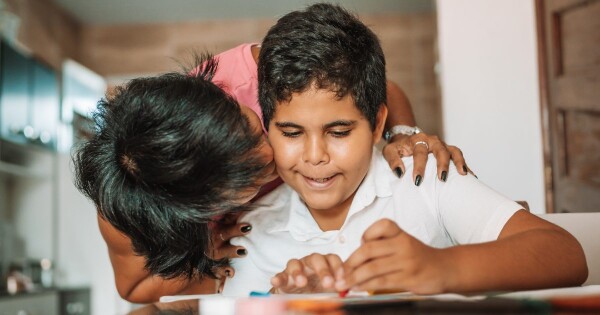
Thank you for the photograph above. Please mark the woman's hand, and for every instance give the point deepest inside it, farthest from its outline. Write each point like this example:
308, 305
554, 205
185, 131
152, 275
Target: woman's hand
419, 146
223, 231
391, 259
311, 274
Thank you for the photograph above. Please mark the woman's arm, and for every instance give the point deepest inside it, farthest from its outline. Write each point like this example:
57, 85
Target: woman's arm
399, 108
134, 283
400, 113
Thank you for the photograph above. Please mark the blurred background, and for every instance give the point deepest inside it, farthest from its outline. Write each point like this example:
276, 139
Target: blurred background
478, 73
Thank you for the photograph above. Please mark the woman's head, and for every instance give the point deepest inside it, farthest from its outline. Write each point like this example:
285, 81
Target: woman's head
171, 153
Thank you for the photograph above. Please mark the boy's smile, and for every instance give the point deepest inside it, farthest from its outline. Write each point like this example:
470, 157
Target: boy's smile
322, 147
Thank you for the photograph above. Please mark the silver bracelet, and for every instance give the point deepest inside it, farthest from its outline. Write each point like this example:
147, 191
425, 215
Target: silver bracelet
401, 130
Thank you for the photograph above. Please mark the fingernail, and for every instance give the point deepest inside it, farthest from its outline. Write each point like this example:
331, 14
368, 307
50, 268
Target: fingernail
246, 228
228, 273
444, 176
464, 168
398, 172
418, 180
328, 281
242, 252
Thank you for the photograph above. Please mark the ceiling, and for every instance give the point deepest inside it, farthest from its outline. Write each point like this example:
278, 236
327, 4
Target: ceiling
107, 12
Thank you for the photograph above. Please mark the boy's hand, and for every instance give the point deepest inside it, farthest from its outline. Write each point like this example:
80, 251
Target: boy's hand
311, 274
401, 145
389, 258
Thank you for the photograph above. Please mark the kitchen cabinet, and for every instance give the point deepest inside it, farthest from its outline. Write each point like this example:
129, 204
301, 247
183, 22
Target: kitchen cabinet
14, 91
29, 99
75, 301
43, 303
63, 301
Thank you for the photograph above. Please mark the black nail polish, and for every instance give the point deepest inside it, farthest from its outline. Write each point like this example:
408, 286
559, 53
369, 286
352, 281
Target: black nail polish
241, 252
246, 228
444, 176
464, 168
418, 180
228, 273
398, 172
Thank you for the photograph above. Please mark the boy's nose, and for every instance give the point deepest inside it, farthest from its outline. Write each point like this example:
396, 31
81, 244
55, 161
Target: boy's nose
315, 151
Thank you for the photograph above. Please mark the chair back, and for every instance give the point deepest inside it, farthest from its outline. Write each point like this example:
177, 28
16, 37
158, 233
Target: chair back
586, 229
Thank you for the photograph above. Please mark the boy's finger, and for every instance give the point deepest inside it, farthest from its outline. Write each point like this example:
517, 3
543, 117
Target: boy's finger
335, 265
383, 228
295, 269
319, 264
375, 271
459, 160
368, 251
442, 156
280, 280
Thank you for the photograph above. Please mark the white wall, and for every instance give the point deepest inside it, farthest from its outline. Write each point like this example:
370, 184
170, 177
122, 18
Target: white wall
490, 96
82, 254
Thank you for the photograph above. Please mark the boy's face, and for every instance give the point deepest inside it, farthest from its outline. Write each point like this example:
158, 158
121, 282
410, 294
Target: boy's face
322, 147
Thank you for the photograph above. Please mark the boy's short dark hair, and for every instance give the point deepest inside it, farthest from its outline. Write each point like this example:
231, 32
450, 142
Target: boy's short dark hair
323, 46
169, 154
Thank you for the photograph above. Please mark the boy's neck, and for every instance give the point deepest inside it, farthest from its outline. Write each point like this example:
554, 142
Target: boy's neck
333, 218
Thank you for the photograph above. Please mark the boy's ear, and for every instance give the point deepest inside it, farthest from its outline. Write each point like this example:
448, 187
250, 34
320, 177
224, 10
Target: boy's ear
380, 123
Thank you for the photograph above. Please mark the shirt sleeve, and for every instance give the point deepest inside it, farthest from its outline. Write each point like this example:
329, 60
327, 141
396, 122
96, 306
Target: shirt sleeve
470, 211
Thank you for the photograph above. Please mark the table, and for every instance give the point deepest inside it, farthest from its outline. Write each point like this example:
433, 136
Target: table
580, 300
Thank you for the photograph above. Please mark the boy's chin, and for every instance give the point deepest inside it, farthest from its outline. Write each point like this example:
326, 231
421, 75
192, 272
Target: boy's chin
321, 204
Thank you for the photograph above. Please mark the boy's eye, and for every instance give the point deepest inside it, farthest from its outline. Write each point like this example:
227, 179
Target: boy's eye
339, 133
291, 134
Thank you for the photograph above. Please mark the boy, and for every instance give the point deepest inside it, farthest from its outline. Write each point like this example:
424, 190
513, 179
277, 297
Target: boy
322, 90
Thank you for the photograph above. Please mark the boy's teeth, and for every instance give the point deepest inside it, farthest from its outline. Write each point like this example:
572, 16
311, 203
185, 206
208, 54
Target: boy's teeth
321, 180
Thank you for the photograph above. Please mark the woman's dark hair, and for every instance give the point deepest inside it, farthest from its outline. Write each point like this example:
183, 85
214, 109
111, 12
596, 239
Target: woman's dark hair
326, 47
169, 154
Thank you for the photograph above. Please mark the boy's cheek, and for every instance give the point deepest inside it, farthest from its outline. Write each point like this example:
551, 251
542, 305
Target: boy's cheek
284, 152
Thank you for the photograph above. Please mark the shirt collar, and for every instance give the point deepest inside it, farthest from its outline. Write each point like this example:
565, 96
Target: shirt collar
302, 226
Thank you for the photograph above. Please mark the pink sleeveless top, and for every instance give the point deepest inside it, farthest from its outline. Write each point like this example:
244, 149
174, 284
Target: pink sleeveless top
237, 75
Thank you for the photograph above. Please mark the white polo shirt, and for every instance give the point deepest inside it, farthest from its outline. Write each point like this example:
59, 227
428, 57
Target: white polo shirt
460, 211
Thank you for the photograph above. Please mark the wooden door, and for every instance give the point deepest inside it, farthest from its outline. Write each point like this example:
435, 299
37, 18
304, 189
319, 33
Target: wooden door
569, 51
